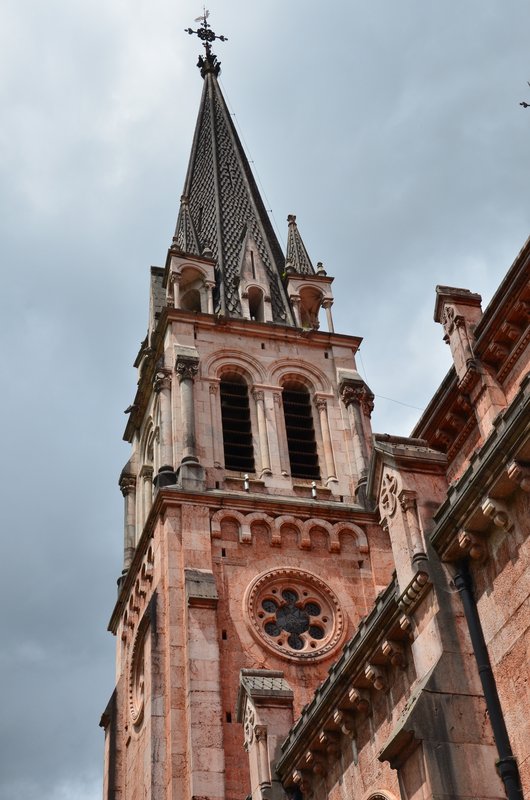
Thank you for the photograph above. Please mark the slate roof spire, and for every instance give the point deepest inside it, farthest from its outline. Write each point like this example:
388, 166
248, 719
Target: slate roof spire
221, 206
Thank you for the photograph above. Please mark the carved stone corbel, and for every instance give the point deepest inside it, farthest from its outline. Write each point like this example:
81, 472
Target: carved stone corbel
376, 676
472, 545
519, 472
495, 511
395, 653
345, 720
359, 699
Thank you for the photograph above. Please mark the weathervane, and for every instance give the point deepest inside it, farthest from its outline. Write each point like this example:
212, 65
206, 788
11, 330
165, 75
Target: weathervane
207, 36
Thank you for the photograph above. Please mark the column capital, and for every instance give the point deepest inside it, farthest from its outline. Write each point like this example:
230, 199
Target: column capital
407, 499
162, 380
127, 484
321, 403
352, 391
260, 732
258, 395
186, 367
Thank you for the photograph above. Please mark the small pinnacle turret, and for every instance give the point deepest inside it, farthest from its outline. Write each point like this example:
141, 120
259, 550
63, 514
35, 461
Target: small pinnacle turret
297, 258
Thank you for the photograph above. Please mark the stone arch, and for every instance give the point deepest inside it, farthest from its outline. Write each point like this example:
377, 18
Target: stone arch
297, 369
285, 520
352, 530
236, 361
256, 302
256, 517
236, 516
380, 794
309, 524
147, 442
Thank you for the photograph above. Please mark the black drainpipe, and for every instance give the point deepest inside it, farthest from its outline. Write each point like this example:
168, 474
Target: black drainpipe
506, 765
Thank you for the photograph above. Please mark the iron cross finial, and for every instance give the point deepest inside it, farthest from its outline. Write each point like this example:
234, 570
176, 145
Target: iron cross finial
205, 32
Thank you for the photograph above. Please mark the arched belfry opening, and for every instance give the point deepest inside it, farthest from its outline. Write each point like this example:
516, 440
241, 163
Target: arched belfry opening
256, 304
300, 431
237, 430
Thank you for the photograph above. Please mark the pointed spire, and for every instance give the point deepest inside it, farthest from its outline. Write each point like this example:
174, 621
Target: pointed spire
297, 258
185, 238
223, 203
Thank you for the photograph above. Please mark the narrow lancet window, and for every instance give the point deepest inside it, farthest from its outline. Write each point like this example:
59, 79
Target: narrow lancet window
300, 432
237, 431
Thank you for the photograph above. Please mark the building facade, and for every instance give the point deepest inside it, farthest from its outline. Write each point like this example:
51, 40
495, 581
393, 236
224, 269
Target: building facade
289, 618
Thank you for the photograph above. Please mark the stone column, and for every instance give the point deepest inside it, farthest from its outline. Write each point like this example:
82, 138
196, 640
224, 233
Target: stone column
162, 386
128, 490
407, 500
147, 492
283, 447
296, 308
186, 369
326, 304
263, 763
322, 406
175, 281
259, 397
210, 286
216, 426
351, 395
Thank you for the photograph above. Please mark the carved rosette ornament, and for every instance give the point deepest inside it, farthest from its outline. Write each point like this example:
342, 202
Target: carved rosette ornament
248, 727
294, 614
388, 495
187, 368
449, 321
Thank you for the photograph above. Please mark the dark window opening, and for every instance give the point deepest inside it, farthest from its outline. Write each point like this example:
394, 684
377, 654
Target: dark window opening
237, 432
228, 716
224, 635
300, 432
256, 304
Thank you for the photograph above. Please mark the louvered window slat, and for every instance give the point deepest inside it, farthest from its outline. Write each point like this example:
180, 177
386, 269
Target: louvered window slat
300, 432
237, 431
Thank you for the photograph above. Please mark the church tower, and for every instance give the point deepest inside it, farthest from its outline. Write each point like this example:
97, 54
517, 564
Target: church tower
250, 552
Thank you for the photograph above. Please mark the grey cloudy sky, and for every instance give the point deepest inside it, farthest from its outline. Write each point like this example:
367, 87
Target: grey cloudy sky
393, 131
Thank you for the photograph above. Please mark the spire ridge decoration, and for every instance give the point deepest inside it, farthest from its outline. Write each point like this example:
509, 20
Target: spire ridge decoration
205, 33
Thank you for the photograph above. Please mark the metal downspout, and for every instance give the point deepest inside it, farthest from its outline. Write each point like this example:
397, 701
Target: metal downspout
506, 765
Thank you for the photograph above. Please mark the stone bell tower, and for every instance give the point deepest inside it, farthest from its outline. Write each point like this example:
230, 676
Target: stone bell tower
249, 554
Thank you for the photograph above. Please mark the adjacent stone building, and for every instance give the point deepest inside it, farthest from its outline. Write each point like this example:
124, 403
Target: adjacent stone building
308, 609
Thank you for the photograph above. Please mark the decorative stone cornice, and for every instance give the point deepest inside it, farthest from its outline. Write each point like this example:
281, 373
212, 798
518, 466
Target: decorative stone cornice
509, 442
340, 699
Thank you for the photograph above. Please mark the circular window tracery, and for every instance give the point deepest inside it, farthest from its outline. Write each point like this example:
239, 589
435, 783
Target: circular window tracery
294, 613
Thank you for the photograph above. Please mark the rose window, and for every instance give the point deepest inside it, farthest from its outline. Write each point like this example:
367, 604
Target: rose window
294, 613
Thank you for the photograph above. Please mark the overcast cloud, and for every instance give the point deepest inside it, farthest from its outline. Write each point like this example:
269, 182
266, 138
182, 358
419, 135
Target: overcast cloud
392, 129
